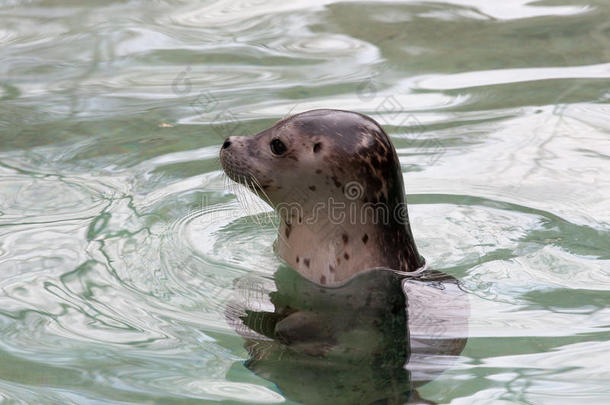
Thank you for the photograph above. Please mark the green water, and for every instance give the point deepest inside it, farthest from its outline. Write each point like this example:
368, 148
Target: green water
121, 246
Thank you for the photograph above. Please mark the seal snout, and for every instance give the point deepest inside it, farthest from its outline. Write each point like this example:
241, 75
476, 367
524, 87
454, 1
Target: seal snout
236, 163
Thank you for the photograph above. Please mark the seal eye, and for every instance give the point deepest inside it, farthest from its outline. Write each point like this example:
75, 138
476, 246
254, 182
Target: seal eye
278, 147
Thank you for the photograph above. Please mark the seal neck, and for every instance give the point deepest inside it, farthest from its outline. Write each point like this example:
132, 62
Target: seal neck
331, 250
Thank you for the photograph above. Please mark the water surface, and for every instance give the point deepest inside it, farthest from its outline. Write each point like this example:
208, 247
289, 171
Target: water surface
120, 244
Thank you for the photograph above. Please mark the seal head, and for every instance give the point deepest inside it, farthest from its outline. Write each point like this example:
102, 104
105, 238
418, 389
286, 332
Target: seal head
334, 179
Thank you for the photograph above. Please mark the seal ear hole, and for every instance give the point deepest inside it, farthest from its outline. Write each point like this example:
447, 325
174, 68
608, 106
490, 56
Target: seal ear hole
317, 147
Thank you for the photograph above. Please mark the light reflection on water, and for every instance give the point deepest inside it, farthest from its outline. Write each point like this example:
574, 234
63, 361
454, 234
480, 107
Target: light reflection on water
121, 248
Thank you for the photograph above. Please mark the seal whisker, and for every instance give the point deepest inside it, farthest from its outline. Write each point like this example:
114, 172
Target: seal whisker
236, 189
256, 188
243, 196
240, 188
259, 187
251, 202
254, 204
269, 215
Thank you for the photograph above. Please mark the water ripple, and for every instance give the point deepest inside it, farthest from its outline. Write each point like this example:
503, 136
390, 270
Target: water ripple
503, 76
121, 248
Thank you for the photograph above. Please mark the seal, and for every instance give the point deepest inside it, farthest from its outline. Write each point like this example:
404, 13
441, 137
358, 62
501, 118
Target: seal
334, 179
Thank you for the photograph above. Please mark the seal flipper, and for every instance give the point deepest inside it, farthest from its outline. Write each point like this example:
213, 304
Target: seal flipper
261, 322
306, 331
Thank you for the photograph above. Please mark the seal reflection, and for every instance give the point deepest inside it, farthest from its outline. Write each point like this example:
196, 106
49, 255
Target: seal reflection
351, 344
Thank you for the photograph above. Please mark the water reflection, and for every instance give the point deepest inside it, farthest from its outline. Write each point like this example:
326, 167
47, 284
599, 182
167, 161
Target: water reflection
375, 339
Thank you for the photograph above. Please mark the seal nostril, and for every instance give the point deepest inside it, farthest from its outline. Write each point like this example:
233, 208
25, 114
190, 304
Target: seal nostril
226, 144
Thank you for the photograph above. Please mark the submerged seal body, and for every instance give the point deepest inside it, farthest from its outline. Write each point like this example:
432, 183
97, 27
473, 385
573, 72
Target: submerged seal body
334, 179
